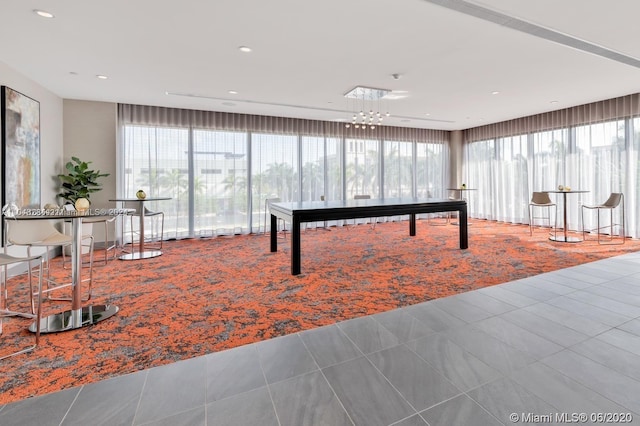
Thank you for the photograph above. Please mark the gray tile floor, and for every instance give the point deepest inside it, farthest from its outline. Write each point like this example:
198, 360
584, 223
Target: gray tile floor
526, 352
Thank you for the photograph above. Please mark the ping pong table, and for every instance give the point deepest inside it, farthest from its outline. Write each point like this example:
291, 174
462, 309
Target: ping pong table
300, 212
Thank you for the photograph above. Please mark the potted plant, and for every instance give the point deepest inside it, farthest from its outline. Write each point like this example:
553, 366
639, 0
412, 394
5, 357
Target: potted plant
78, 184
79, 181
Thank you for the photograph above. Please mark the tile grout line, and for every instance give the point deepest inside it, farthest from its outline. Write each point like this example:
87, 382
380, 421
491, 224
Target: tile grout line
71, 405
582, 384
264, 375
206, 387
376, 368
144, 386
446, 378
604, 307
325, 377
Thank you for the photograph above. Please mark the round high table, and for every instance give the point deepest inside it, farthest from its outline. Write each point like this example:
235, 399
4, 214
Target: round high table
78, 316
141, 253
564, 238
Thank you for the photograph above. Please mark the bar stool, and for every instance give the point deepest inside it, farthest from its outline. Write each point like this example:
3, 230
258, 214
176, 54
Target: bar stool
42, 233
108, 246
36, 311
615, 199
155, 238
542, 200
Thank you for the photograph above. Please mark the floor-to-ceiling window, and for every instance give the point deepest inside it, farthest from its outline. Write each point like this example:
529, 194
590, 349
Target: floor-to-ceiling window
511, 186
600, 164
480, 176
219, 169
632, 184
220, 164
591, 148
274, 172
431, 171
362, 167
155, 159
550, 151
398, 169
321, 168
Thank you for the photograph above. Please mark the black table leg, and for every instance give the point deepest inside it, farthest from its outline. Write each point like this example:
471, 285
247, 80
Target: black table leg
412, 224
274, 233
295, 247
464, 233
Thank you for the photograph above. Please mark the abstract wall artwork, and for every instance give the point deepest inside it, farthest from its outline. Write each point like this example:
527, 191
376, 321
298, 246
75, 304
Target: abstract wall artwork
20, 149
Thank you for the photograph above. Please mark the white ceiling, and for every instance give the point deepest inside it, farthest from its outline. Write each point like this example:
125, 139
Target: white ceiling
306, 55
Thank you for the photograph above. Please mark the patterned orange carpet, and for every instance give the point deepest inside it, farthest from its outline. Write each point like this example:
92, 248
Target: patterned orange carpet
206, 295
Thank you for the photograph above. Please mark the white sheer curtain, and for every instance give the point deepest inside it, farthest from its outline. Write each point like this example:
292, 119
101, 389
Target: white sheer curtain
510, 166
321, 168
431, 169
398, 169
591, 147
155, 163
219, 168
274, 171
632, 182
362, 168
480, 165
220, 164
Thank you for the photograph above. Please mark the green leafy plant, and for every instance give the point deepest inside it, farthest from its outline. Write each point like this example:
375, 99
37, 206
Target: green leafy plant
79, 181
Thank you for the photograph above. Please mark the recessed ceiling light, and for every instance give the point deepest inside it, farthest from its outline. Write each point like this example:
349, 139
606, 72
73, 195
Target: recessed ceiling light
427, 114
233, 92
495, 92
405, 120
553, 102
73, 73
101, 77
245, 49
43, 13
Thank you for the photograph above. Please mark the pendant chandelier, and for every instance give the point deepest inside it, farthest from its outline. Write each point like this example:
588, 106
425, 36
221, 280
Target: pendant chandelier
366, 105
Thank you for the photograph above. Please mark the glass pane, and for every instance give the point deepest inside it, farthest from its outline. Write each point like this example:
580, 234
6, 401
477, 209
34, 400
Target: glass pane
362, 168
156, 161
220, 182
431, 166
600, 164
313, 172
333, 190
549, 153
398, 163
274, 173
511, 186
480, 176
632, 194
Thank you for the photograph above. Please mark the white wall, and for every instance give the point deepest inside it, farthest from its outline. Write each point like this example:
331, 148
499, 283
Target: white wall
90, 135
455, 151
51, 131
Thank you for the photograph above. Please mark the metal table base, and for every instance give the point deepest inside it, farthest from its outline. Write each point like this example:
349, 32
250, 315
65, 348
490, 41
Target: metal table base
74, 319
563, 239
141, 255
